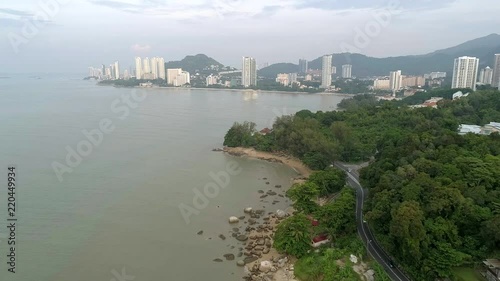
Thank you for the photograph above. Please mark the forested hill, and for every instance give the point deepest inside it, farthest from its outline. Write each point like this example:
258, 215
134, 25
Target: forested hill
435, 195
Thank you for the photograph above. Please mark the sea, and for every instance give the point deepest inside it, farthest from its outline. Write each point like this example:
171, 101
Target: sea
115, 184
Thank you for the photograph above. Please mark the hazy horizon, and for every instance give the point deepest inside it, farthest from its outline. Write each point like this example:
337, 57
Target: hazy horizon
71, 35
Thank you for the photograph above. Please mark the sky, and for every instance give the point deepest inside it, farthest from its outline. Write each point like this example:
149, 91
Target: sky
68, 36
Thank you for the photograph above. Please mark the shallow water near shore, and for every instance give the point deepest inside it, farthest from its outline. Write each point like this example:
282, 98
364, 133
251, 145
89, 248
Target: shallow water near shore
118, 210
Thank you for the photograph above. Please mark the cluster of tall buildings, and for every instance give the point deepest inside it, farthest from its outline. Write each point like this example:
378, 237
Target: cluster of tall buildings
107, 73
396, 81
153, 68
465, 73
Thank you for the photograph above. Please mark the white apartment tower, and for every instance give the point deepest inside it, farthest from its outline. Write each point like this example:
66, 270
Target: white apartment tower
486, 76
395, 81
347, 71
326, 73
138, 68
161, 68
117, 70
146, 68
154, 67
249, 72
496, 72
465, 72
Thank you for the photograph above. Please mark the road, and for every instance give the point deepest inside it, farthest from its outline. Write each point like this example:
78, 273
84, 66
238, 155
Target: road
373, 248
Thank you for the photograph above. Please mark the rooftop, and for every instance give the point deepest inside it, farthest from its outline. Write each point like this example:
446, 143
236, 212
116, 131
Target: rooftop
492, 263
465, 129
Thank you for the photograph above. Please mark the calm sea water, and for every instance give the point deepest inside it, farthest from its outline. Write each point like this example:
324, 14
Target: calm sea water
118, 210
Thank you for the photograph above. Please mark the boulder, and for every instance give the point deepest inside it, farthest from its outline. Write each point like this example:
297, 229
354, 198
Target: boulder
229, 257
248, 210
221, 236
234, 220
240, 263
280, 214
250, 259
242, 238
217, 260
200, 232
265, 266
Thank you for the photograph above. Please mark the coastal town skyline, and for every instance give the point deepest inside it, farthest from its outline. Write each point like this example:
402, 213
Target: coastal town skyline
230, 28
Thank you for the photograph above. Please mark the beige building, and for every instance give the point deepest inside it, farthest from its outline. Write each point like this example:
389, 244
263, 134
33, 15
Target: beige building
413, 81
382, 84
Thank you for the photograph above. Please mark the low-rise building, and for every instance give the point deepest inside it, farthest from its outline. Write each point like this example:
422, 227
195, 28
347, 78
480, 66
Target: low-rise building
492, 269
492, 127
464, 129
488, 129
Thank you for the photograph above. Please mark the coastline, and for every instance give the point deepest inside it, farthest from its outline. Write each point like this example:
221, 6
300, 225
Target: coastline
281, 267
236, 90
294, 163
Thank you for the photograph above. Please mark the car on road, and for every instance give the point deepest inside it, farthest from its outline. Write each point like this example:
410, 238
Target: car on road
391, 264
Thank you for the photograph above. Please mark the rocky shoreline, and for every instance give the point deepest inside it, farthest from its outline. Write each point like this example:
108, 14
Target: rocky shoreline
254, 229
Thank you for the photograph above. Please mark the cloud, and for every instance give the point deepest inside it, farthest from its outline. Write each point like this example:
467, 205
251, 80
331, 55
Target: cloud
140, 48
197, 10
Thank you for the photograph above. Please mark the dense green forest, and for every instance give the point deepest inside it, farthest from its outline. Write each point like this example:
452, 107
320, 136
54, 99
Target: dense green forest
434, 195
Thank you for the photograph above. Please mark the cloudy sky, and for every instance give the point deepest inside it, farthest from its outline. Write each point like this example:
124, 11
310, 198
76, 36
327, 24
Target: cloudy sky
57, 36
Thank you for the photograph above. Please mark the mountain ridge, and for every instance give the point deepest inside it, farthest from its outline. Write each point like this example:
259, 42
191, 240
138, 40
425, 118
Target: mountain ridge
441, 60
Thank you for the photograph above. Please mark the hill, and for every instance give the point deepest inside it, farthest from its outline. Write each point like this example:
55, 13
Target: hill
198, 63
441, 60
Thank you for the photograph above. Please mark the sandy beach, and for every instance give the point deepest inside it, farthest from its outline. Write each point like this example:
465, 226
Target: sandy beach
290, 161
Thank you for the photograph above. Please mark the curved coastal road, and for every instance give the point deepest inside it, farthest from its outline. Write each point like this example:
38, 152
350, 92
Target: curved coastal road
373, 248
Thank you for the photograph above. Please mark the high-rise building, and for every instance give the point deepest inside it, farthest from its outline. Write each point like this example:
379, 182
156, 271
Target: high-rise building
182, 79
496, 72
465, 72
107, 73
146, 68
126, 75
293, 77
138, 68
172, 74
486, 76
154, 67
116, 70
303, 66
395, 81
161, 68
347, 71
249, 72
326, 73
